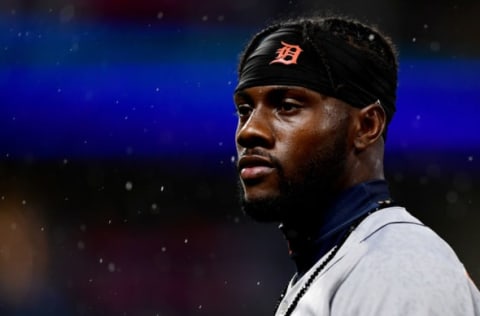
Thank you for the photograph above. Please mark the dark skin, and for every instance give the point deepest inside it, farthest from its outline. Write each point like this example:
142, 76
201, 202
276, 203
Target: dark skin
297, 149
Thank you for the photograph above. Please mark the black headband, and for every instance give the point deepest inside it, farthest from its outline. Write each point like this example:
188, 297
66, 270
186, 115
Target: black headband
341, 71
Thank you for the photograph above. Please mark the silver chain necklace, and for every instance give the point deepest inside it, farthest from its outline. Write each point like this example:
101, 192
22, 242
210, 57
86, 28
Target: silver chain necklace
333, 252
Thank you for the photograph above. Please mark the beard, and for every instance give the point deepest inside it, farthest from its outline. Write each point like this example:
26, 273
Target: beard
302, 196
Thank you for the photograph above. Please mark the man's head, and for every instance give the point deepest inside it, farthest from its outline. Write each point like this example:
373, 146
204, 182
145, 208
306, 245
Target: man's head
314, 98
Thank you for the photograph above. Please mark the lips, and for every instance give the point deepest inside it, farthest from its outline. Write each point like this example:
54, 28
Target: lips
253, 167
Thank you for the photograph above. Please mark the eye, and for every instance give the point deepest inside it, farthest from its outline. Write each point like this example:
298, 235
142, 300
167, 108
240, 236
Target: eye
244, 110
288, 106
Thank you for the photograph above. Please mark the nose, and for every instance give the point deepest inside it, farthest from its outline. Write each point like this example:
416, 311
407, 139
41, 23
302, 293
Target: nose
256, 130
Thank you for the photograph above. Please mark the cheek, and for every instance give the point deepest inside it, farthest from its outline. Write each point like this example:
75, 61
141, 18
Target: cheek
310, 144
311, 136
299, 148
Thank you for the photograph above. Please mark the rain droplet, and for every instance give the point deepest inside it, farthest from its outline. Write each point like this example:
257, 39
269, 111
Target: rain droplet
452, 197
81, 245
371, 37
100, 260
435, 46
160, 15
186, 241
128, 186
111, 267
67, 13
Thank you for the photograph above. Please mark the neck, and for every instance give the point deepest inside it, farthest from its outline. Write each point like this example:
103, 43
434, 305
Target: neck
310, 239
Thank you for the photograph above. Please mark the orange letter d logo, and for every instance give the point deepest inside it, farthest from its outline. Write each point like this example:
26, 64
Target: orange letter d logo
287, 54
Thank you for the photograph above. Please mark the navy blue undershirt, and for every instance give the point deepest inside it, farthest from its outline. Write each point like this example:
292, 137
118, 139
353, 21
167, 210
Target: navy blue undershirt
350, 205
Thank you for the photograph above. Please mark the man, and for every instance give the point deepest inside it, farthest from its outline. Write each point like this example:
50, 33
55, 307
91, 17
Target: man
314, 99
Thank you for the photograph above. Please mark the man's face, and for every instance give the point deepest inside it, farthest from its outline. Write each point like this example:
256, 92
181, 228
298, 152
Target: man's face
292, 150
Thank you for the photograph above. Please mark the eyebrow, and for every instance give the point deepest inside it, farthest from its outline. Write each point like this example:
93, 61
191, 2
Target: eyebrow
241, 96
241, 93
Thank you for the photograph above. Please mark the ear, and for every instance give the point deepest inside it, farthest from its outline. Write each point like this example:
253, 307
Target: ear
370, 125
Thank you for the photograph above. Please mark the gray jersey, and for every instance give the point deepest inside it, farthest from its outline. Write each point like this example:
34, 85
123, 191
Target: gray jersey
391, 265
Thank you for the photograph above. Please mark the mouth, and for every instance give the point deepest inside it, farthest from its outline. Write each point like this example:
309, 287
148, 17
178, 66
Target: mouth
254, 167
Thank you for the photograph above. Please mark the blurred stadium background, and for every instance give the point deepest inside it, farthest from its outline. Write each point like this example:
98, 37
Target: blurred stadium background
117, 187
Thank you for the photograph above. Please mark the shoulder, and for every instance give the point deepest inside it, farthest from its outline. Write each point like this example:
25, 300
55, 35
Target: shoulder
396, 237
404, 265
397, 242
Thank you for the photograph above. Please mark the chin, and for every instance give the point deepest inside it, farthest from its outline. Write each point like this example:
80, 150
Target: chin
265, 210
